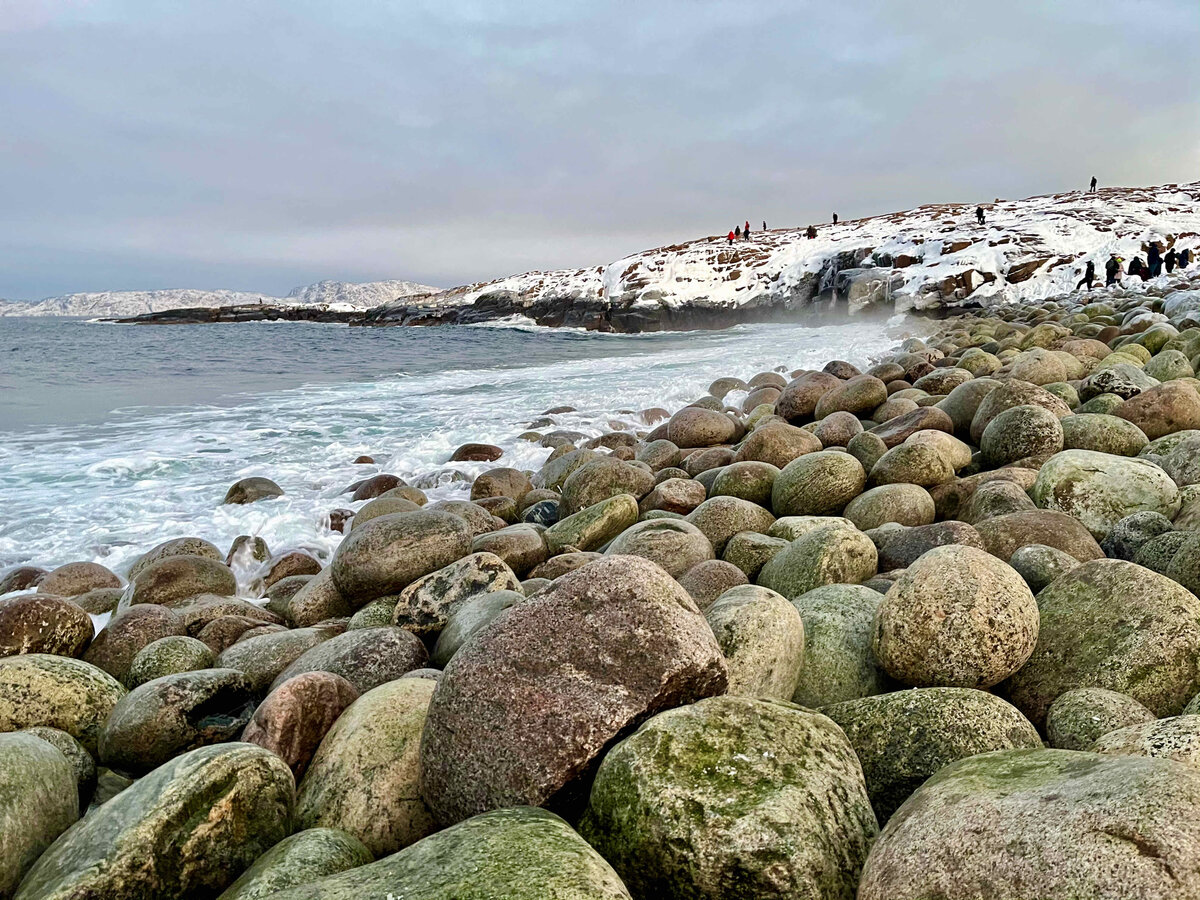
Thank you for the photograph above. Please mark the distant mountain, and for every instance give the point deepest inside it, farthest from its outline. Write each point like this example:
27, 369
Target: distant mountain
930, 257
132, 303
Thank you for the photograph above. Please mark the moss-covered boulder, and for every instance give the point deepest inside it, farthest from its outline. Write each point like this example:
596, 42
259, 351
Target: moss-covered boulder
920, 464
365, 657
833, 554
957, 617
1176, 454
1078, 717
599, 479
762, 637
1010, 394
39, 800
675, 545
1113, 624
365, 776
691, 806
749, 480
169, 656
1177, 738
750, 551
1020, 432
817, 484
304, 857
907, 504
904, 737
1003, 535
1040, 824
839, 665
1040, 565
720, 518
520, 853
593, 527
1102, 434
185, 830
58, 691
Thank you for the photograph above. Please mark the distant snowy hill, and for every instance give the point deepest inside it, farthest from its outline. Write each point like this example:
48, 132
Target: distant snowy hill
133, 303
932, 256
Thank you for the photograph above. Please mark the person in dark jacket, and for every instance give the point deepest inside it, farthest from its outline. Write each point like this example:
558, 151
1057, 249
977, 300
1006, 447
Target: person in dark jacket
979, 214
811, 232
1154, 260
1185, 258
1092, 189
1112, 269
835, 218
746, 231
737, 231
1089, 275
1170, 259
1137, 268
764, 224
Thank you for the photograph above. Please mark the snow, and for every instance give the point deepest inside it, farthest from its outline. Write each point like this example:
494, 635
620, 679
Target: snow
336, 295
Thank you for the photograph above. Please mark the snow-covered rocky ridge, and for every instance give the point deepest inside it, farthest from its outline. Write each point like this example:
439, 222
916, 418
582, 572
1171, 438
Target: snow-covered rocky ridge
930, 257
331, 294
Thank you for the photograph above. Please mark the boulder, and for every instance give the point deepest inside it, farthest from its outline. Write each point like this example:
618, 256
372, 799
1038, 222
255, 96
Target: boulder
677, 495
1176, 738
174, 579
185, 830
898, 430
776, 443
1010, 394
58, 691
501, 482
561, 663
593, 527
800, 396
693, 426
750, 551
674, 545
1163, 410
1113, 624
472, 615
907, 504
996, 498
127, 632
1040, 565
425, 606
690, 805
1102, 434
830, 555
1131, 533
251, 490
365, 657
705, 582
365, 776
304, 857
185, 546
919, 464
1040, 824
1100, 489
1176, 454
904, 737
762, 637
77, 578
38, 802
520, 547
169, 656
599, 479
1019, 432
899, 548
957, 617
817, 484
860, 394
1121, 378
294, 717
1077, 718
261, 657
749, 480
43, 623
1003, 535
720, 518
838, 662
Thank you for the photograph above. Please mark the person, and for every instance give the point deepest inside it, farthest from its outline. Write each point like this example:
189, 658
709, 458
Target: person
811, 232
737, 231
1154, 260
1170, 259
1112, 269
1092, 189
764, 224
1185, 258
979, 214
835, 218
1089, 275
731, 237
746, 231
1137, 268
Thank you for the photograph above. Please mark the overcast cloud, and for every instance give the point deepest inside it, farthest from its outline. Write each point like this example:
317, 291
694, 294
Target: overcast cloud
262, 145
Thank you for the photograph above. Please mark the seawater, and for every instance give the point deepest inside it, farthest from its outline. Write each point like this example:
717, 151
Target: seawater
114, 438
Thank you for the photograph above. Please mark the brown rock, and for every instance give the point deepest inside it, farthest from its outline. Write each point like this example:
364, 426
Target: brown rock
77, 578
296, 715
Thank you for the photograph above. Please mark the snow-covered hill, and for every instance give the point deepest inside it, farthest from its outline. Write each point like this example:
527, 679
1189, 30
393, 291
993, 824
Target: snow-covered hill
133, 303
928, 257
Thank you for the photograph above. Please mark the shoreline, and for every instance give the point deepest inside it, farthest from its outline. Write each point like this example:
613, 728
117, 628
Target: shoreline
962, 559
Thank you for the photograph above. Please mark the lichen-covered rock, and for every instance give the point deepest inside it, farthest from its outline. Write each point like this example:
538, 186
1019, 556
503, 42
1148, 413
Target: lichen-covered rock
1131, 533
1008, 395
817, 484
920, 464
749, 480
677, 495
834, 554
691, 806
1040, 565
366, 657
1177, 738
391, 552
185, 546
169, 656
1163, 410
720, 518
43, 623
675, 545
1176, 454
593, 527
509, 854
39, 800
1100, 489
1113, 624
1003, 535
599, 479
520, 546
1043, 825
365, 776
957, 617
900, 547
586, 658
904, 737
294, 717
1021, 431
762, 637
304, 857
76, 578
185, 830
262, 657
1078, 717
64, 693
838, 663
907, 504
800, 396
173, 579
171, 715
1102, 434
127, 632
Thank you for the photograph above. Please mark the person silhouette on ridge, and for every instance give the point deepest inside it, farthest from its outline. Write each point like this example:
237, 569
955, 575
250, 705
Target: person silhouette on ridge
1169, 260
835, 218
1092, 189
979, 214
1089, 275
737, 231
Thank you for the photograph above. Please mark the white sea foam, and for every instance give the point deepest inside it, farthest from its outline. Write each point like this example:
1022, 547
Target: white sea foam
109, 492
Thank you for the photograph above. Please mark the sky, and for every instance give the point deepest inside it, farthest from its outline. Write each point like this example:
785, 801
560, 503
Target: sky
260, 145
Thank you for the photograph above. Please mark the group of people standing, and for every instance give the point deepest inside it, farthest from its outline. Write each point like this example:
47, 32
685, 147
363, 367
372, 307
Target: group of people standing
1151, 267
742, 232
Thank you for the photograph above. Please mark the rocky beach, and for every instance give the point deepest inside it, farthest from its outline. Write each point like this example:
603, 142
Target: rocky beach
927, 627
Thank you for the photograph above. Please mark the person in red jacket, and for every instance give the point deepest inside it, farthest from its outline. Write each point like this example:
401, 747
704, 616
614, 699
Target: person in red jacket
731, 237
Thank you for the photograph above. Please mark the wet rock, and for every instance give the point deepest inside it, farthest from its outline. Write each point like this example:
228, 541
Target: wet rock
958, 617
425, 605
173, 579
904, 737
391, 552
20, 578
1079, 717
762, 637
319, 599
817, 484
77, 578
365, 775
365, 657
43, 623
521, 547
860, 394
693, 426
251, 490
800, 396
690, 806
1112, 624
294, 718
218, 808
561, 663
185, 546
476, 453
830, 555
169, 656
592, 527
1033, 824
305, 857
38, 802
57, 691
674, 545
600, 479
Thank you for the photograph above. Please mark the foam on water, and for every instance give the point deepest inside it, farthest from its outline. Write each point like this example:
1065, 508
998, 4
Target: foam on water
109, 492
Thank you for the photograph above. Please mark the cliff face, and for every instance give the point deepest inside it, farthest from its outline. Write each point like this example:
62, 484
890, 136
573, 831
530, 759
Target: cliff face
926, 258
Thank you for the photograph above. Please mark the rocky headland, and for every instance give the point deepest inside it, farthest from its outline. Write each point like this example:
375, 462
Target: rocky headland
927, 629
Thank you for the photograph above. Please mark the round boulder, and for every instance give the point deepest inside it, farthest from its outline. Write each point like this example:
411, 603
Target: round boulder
673, 544
762, 637
1079, 717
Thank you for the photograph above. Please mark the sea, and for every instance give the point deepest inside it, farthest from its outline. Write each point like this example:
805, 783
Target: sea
114, 438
